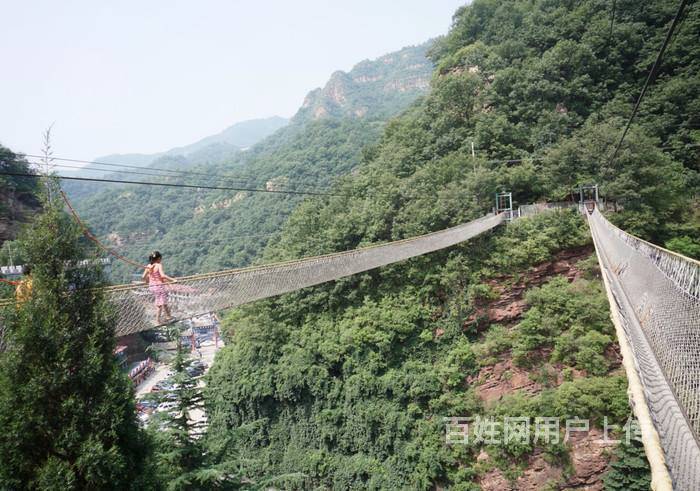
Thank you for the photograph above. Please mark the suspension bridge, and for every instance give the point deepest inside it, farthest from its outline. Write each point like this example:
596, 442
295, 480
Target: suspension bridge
654, 297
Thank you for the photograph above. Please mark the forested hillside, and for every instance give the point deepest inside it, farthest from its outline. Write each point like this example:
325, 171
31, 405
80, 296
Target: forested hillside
201, 230
346, 385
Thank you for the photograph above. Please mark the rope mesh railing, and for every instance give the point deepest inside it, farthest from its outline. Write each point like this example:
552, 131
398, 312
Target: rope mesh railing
655, 295
537, 208
199, 294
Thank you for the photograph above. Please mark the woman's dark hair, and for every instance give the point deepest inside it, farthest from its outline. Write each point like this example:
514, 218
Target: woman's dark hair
26, 269
155, 255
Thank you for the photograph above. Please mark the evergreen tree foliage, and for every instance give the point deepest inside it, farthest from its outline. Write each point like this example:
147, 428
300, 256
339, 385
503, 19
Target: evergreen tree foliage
66, 410
12, 163
181, 462
18, 201
630, 469
345, 385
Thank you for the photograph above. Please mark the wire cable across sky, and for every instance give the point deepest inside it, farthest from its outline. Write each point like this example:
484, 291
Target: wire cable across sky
156, 171
172, 185
651, 76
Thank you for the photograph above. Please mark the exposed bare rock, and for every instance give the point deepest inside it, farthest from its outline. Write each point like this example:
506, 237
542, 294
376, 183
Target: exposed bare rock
589, 455
398, 77
510, 304
507, 311
18, 208
538, 473
118, 240
503, 378
575, 373
115, 239
367, 78
336, 88
222, 205
494, 480
407, 84
360, 111
276, 184
589, 463
320, 112
589, 458
613, 355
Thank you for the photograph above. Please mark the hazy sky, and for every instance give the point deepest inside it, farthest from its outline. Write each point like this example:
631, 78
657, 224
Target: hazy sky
145, 76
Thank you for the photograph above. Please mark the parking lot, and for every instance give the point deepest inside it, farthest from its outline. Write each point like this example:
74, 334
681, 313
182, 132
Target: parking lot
203, 355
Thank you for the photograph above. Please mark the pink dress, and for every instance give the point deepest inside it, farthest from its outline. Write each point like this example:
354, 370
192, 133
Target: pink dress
157, 288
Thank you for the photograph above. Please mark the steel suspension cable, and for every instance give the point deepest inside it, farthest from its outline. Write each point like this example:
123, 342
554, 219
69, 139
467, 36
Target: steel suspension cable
173, 185
94, 239
650, 76
176, 172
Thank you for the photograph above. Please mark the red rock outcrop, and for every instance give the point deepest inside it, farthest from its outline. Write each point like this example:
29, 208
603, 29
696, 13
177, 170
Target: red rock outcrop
589, 455
510, 304
589, 462
494, 381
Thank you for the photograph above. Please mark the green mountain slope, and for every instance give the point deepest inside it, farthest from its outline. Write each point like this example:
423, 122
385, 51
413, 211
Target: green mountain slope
201, 231
346, 385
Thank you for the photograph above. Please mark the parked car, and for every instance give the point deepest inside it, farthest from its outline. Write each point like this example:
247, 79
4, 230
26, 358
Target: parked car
146, 405
187, 343
170, 396
163, 385
194, 371
155, 336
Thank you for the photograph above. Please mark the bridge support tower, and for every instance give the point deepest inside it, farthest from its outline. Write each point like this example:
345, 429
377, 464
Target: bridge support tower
504, 204
588, 197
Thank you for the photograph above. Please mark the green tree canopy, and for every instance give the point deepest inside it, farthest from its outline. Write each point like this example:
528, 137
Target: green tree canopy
66, 411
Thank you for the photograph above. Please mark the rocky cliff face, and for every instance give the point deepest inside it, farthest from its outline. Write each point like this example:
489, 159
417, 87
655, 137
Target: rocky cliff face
373, 88
15, 210
589, 454
18, 196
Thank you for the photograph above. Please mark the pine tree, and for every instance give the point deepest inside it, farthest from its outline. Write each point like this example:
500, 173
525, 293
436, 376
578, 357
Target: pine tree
630, 470
66, 411
181, 460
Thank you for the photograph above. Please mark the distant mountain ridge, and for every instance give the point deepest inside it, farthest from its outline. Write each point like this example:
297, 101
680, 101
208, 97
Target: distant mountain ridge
373, 88
236, 137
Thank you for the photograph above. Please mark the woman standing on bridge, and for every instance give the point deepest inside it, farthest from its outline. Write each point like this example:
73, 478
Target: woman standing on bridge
155, 276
